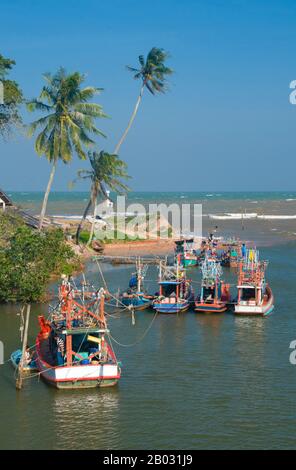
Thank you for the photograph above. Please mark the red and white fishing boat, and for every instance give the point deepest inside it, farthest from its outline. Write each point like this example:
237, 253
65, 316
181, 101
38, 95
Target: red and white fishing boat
255, 296
72, 350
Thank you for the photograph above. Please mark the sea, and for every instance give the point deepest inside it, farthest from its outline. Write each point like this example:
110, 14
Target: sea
189, 381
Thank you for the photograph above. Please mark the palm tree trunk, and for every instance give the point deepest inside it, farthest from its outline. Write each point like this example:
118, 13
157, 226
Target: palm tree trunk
122, 139
86, 211
93, 223
45, 199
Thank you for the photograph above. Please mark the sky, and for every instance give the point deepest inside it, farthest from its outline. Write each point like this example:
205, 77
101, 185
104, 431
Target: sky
226, 123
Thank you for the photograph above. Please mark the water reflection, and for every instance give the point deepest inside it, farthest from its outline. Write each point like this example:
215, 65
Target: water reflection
210, 323
250, 341
86, 419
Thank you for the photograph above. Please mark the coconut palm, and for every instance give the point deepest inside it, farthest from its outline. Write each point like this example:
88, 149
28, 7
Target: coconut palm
68, 123
152, 72
106, 171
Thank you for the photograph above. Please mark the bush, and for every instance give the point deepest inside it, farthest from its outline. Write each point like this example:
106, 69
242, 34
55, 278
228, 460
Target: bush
28, 261
84, 236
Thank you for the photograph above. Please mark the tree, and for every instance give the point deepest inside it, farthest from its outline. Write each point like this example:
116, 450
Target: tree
68, 123
11, 98
106, 172
152, 72
29, 258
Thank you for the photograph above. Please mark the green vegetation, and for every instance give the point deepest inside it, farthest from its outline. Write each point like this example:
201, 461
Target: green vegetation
106, 171
13, 97
84, 237
29, 258
68, 123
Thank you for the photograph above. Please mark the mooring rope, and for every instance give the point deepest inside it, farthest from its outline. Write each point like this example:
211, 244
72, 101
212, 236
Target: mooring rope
139, 340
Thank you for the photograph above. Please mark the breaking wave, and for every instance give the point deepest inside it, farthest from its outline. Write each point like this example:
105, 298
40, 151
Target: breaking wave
254, 215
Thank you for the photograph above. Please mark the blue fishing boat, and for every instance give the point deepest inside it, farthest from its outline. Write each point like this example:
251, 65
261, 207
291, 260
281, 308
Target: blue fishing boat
28, 366
135, 297
175, 291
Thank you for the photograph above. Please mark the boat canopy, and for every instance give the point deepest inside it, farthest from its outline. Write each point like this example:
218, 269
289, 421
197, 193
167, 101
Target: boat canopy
170, 282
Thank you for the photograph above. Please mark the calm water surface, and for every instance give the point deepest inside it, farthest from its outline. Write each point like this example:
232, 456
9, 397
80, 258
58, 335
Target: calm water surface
194, 381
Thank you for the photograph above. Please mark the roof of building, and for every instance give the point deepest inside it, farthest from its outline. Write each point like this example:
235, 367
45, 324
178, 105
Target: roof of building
5, 198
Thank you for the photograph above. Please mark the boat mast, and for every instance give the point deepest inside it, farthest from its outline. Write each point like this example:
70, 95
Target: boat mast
139, 275
102, 318
68, 326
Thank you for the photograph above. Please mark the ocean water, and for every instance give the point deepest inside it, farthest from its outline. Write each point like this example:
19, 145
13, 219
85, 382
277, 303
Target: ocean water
261, 217
193, 382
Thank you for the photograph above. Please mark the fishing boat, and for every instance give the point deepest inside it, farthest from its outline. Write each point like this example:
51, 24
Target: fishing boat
215, 294
28, 366
235, 252
184, 249
72, 347
135, 297
255, 296
190, 257
175, 291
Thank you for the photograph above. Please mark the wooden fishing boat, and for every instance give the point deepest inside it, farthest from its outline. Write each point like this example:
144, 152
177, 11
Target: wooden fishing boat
15, 359
72, 349
135, 297
255, 296
235, 252
175, 291
190, 256
184, 249
215, 294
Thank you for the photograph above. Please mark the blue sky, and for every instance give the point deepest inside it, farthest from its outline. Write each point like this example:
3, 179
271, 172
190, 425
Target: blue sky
226, 122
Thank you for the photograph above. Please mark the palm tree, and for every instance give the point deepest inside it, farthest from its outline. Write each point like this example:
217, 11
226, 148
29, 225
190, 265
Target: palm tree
106, 172
68, 123
153, 73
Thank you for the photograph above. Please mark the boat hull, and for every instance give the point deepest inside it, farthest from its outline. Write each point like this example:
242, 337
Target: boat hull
170, 308
77, 376
256, 310
137, 303
189, 262
204, 307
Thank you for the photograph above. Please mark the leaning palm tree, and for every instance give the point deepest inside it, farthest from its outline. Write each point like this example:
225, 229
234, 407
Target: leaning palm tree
106, 171
153, 73
68, 123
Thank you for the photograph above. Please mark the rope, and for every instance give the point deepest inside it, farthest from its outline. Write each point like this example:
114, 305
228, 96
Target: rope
101, 273
139, 340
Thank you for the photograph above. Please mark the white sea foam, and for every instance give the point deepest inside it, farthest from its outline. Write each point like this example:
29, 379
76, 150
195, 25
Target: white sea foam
234, 216
290, 199
254, 215
277, 217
